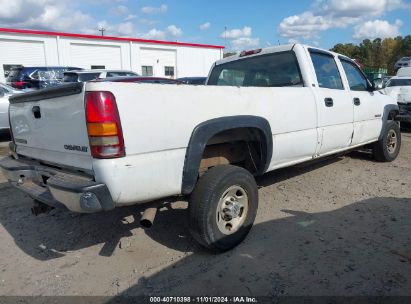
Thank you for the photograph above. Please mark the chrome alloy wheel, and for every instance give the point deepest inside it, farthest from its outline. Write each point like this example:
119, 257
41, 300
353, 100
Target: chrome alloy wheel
232, 210
392, 141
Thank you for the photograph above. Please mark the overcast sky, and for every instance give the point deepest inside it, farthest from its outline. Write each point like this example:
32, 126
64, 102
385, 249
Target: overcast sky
249, 24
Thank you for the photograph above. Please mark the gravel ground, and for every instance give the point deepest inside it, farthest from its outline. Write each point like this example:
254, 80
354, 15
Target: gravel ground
336, 227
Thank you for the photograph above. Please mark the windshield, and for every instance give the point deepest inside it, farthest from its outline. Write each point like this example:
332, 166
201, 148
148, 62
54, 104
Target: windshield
272, 70
399, 82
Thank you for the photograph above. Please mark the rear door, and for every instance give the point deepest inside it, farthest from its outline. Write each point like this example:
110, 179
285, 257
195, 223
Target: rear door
367, 116
335, 109
50, 125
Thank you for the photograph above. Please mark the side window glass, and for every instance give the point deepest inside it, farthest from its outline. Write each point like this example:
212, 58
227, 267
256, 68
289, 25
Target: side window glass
356, 79
327, 72
34, 75
60, 74
115, 74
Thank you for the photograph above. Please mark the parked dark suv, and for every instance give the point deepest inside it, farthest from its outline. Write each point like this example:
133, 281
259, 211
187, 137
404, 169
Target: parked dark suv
36, 77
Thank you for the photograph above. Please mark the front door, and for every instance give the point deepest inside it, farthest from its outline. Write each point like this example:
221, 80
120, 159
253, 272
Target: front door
334, 106
367, 116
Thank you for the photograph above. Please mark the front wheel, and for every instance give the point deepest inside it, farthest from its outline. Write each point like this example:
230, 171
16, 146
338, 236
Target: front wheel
223, 207
388, 147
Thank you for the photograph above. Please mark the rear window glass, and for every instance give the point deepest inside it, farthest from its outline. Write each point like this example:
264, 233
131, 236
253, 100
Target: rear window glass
399, 83
14, 72
272, 70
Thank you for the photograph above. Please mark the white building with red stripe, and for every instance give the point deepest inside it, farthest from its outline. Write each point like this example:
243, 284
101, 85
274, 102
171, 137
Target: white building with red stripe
160, 58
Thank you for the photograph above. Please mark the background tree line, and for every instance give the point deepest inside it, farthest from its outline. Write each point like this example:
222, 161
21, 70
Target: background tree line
378, 53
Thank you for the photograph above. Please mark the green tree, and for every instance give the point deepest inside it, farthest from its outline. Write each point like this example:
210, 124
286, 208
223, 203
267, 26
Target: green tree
378, 53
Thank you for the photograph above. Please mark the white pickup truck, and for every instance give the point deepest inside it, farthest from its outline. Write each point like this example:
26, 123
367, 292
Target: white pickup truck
101, 145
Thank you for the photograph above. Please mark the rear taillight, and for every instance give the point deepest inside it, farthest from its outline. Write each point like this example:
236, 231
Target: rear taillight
103, 125
19, 84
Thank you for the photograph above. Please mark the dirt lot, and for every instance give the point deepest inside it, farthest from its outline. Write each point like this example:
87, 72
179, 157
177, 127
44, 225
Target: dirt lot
337, 227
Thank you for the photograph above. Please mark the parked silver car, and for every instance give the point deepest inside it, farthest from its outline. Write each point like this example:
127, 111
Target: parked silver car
403, 62
5, 92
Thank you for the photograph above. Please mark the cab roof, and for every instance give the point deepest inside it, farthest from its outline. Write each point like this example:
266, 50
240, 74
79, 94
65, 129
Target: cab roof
274, 49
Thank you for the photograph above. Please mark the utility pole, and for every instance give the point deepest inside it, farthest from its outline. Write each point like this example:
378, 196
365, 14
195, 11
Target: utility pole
225, 37
102, 30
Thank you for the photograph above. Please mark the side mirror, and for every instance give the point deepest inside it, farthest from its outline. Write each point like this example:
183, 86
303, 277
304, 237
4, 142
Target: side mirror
378, 84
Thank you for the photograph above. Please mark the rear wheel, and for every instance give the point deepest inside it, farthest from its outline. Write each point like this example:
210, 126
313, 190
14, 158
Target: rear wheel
223, 207
388, 147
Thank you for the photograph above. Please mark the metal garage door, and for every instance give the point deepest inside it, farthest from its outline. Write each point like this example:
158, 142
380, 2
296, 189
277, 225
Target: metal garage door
19, 52
88, 55
163, 62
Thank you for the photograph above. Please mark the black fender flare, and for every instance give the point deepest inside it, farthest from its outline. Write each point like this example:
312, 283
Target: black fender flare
203, 132
387, 110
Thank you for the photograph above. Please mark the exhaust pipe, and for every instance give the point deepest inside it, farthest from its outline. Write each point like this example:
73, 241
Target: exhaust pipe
147, 219
39, 208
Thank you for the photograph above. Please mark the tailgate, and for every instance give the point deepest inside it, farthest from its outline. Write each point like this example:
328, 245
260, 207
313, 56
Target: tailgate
50, 125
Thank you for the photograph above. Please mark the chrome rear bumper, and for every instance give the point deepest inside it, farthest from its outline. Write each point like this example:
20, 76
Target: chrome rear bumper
53, 187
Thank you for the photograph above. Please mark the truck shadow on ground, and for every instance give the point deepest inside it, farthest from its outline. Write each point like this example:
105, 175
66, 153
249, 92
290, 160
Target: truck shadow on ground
361, 249
5, 136
49, 236
406, 130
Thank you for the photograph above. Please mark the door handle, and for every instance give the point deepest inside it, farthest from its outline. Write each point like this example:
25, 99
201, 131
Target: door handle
357, 101
36, 112
329, 102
